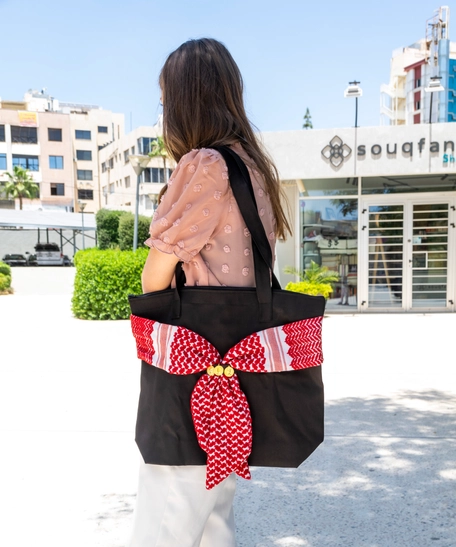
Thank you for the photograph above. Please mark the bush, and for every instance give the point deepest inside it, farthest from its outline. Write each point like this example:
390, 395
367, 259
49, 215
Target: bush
308, 287
103, 281
5, 282
126, 230
5, 269
108, 228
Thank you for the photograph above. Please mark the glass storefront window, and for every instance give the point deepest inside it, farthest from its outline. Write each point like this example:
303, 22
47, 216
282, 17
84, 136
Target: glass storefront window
409, 184
329, 237
327, 187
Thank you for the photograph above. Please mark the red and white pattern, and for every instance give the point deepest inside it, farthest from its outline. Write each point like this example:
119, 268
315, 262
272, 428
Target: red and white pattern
220, 410
223, 426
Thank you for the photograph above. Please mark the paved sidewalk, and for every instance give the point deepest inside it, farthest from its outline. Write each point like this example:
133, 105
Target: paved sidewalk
384, 477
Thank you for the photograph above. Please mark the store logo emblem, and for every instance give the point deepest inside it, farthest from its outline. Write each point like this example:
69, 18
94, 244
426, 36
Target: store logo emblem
336, 151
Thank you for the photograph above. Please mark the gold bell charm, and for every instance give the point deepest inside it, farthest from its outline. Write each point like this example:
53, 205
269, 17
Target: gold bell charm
218, 370
229, 371
210, 370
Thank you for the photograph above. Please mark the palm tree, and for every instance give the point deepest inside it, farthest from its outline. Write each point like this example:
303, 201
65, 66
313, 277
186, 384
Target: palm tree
20, 185
158, 149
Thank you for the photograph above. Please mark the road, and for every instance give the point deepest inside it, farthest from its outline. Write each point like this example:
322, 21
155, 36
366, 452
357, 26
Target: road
385, 475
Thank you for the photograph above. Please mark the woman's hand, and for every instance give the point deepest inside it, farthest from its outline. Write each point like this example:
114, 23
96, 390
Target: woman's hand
158, 270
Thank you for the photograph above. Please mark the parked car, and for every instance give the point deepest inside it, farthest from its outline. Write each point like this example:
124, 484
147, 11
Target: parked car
15, 260
31, 259
48, 254
67, 261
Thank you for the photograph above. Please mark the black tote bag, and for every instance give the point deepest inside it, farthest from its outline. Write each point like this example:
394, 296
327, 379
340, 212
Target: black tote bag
286, 407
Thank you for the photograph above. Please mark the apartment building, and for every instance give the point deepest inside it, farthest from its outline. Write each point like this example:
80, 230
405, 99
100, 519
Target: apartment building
59, 144
422, 87
118, 179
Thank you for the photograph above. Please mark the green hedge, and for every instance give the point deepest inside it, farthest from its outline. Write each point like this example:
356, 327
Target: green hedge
309, 287
5, 268
5, 282
5, 277
103, 281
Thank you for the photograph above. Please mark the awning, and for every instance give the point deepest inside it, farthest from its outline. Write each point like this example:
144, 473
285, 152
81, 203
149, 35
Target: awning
46, 219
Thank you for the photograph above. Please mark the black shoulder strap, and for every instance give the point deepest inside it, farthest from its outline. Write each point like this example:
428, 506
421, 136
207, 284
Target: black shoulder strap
242, 188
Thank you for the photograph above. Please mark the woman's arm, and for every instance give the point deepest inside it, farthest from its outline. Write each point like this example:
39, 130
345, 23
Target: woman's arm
158, 270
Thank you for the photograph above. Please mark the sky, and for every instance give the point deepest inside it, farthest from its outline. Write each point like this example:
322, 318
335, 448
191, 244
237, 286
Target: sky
293, 54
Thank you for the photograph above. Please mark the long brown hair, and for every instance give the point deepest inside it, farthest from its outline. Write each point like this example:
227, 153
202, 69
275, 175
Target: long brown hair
203, 106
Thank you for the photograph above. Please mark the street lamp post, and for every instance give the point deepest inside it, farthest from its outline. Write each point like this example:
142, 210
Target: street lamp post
139, 163
353, 90
433, 87
82, 206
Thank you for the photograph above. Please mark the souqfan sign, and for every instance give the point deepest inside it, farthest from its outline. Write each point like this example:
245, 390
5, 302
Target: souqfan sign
336, 151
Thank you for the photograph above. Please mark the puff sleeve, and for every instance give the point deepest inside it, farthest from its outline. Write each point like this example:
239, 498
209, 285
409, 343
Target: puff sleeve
192, 206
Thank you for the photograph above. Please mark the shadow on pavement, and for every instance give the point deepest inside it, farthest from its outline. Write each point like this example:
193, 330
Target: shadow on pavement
385, 476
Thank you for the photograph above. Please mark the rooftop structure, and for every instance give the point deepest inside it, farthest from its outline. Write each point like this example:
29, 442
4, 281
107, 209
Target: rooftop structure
410, 98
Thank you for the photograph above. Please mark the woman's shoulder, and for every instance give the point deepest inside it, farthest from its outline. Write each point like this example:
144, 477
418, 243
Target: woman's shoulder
203, 156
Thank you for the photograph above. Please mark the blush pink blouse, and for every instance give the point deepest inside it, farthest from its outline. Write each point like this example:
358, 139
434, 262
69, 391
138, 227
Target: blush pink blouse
199, 221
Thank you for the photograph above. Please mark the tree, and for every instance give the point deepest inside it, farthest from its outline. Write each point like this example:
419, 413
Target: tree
158, 149
108, 228
307, 120
126, 231
20, 185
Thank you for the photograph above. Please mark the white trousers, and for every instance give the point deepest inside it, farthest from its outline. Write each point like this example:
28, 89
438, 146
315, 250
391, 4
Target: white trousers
174, 509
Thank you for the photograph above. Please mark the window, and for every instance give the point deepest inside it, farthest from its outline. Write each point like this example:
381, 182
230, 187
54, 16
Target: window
127, 182
148, 203
84, 155
84, 174
418, 82
328, 235
57, 189
55, 162
111, 188
145, 144
407, 184
103, 167
126, 156
2, 162
132, 150
83, 135
155, 174
85, 194
2, 133
27, 162
54, 134
26, 135
102, 129
417, 105
111, 163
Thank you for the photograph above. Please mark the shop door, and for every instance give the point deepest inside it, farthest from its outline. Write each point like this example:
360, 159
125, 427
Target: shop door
409, 250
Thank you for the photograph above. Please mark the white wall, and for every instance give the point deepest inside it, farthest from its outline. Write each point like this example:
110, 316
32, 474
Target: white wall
298, 154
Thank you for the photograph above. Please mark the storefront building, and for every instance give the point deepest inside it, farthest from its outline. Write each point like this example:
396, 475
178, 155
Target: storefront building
377, 206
